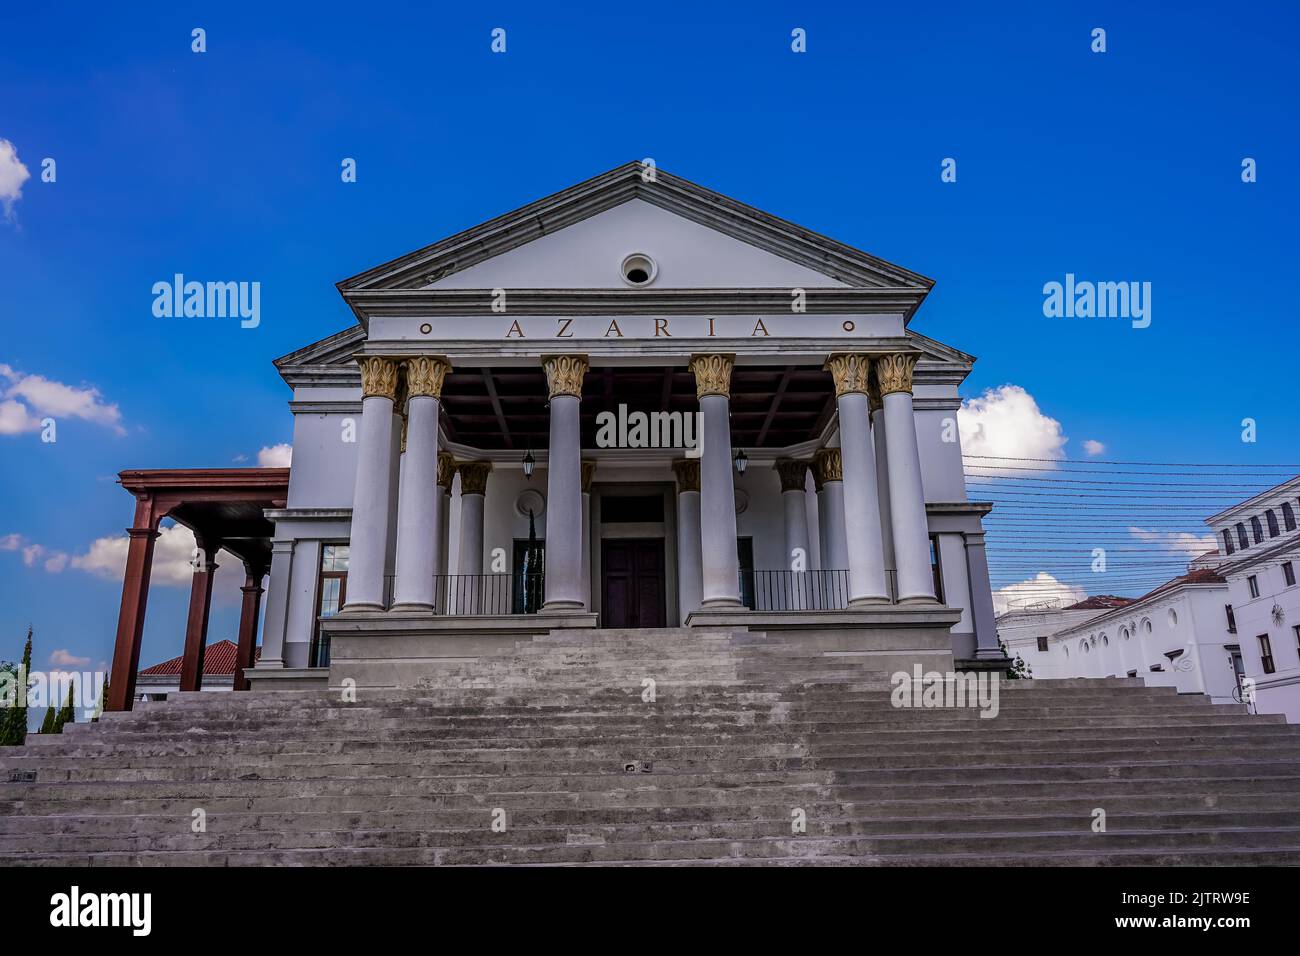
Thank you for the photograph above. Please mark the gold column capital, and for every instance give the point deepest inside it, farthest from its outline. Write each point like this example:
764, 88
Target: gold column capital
688, 474
446, 470
712, 373
792, 472
473, 477
378, 377
588, 472
894, 372
425, 375
828, 465
850, 371
564, 374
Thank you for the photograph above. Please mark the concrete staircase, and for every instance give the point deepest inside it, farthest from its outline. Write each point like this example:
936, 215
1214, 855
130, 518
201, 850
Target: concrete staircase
743, 735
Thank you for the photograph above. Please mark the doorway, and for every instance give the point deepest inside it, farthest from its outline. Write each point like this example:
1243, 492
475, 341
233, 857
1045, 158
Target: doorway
633, 582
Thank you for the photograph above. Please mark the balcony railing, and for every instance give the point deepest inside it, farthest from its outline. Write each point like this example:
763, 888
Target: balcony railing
784, 590
480, 594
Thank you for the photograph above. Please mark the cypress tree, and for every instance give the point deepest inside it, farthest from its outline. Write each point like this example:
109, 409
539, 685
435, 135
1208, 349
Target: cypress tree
13, 724
66, 715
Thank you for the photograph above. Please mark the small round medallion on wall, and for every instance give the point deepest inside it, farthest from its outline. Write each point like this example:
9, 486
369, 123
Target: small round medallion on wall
530, 498
426, 328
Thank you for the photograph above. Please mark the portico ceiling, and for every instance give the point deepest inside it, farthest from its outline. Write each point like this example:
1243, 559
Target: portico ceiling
506, 407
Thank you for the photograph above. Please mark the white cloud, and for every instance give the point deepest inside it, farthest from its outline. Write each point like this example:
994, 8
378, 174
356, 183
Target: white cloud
49, 397
12, 176
275, 456
64, 658
1177, 542
1094, 447
1041, 589
106, 558
16, 419
1006, 422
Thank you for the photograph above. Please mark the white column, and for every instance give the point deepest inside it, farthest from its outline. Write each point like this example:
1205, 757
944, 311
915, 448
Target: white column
906, 493
588, 472
689, 581
861, 504
830, 507
564, 551
981, 599
720, 565
417, 527
473, 487
368, 546
276, 621
880, 446
442, 528
794, 475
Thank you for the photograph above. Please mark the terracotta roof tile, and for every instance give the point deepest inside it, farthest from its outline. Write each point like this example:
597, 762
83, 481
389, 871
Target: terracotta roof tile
218, 661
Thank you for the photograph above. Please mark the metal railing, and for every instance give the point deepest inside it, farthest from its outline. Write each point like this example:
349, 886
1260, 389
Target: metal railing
784, 590
319, 655
479, 594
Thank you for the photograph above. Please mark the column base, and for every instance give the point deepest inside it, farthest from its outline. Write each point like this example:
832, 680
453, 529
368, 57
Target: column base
413, 606
860, 602
721, 603
562, 607
919, 599
361, 606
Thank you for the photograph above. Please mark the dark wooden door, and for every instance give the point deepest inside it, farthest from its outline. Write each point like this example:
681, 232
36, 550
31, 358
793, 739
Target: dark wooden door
632, 593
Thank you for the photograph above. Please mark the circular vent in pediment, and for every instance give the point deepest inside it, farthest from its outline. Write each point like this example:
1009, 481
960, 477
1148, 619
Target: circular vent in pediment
639, 269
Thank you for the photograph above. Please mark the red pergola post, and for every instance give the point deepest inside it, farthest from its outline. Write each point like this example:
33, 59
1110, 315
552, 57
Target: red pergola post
135, 595
252, 605
196, 627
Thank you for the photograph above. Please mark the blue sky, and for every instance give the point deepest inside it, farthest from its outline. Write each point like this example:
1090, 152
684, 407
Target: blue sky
1119, 166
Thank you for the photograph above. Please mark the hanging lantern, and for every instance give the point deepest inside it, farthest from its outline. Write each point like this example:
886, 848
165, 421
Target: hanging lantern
529, 462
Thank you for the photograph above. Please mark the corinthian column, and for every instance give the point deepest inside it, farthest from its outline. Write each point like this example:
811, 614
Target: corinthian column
588, 472
689, 588
564, 375
371, 498
828, 475
906, 493
442, 534
417, 522
861, 504
720, 566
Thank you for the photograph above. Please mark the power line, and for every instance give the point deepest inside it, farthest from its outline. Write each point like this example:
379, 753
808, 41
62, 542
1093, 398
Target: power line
1143, 464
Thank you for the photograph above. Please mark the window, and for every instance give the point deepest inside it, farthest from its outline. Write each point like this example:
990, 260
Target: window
1228, 547
1257, 530
1146, 626
639, 269
1132, 673
1266, 654
1253, 583
332, 588
1271, 519
1173, 618
1288, 573
1288, 516
1232, 620
1241, 536
1042, 645
935, 568
1295, 630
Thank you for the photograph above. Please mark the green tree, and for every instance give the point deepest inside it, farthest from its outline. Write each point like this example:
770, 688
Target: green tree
1018, 670
13, 723
66, 715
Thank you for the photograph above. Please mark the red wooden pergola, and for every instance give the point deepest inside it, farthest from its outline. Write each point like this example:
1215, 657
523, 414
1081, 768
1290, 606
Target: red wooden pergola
224, 507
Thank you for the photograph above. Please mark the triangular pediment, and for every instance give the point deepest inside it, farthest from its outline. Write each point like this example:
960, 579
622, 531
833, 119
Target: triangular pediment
579, 237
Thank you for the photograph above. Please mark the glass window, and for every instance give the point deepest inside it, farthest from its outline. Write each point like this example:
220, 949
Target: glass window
1257, 530
1288, 516
1266, 654
1241, 536
1227, 542
332, 588
1042, 645
1253, 583
1271, 519
1288, 573
1232, 620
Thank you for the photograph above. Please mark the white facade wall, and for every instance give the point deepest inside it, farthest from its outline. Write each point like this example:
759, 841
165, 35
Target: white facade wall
1276, 612
1130, 641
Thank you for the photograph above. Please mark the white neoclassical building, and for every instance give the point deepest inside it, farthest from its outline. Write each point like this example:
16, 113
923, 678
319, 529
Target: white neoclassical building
635, 403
